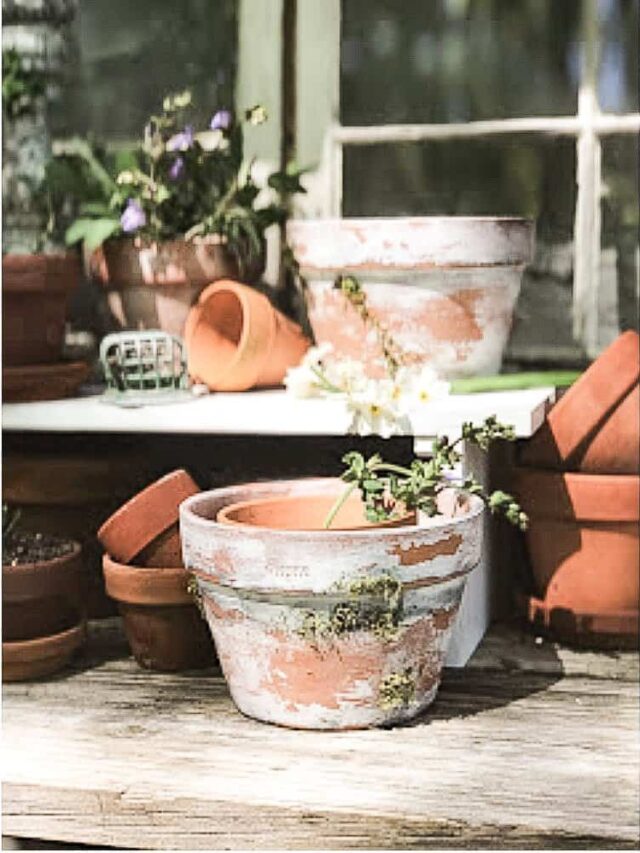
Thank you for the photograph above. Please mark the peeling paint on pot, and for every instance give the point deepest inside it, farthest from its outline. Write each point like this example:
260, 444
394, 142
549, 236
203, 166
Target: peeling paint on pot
328, 629
444, 286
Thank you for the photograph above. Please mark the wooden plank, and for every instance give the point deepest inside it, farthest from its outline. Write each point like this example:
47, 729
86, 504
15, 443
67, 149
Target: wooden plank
507, 756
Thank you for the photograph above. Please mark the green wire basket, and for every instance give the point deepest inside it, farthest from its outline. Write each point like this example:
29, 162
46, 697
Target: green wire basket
143, 368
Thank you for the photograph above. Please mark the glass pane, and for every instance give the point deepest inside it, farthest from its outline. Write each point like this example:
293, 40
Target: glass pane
531, 176
619, 271
458, 60
128, 55
618, 77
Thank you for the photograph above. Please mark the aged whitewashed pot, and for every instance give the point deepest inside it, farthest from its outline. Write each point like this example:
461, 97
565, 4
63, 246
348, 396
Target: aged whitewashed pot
444, 286
328, 629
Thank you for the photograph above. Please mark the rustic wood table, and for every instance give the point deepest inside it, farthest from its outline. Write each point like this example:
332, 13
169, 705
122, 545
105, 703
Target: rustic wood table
530, 745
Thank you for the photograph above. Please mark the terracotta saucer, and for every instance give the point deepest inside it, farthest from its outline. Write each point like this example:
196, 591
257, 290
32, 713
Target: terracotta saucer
615, 630
42, 381
26, 659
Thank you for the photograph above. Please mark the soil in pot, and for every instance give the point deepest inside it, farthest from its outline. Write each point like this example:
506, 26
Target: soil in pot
164, 627
237, 340
328, 629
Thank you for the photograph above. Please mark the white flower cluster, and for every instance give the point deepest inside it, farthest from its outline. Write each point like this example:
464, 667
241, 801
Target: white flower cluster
377, 406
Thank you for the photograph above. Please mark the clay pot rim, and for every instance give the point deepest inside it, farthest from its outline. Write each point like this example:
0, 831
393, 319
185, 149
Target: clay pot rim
59, 270
627, 488
42, 647
249, 316
140, 243
45, 565
223, 517
123, 583
148, 528
189, 514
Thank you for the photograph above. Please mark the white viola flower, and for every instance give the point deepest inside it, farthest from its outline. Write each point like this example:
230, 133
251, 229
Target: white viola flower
302, 382
424, 386
347, 374
314, 356
374, 412
212, 140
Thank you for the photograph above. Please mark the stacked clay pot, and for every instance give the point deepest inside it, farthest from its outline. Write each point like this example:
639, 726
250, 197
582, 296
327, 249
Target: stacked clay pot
237, 340
143, 572
579, 482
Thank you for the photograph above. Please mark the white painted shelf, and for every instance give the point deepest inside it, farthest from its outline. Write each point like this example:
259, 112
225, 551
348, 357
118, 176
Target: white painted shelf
266, 413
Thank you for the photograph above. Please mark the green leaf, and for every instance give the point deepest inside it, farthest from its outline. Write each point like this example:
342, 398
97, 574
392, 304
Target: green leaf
93, 231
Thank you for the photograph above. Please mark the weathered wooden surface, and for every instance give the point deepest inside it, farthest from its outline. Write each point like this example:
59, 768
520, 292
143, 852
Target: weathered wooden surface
527, 747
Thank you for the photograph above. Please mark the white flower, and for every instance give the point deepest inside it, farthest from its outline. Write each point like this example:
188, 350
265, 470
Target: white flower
314, 356
374, 411
421, 386
347, 374
212, 140
305, 379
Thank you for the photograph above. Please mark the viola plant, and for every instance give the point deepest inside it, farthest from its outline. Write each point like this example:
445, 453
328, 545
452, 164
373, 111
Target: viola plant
192, 183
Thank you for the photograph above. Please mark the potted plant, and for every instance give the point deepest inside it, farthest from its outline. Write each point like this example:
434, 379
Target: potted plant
43, 601
37, 275
327, 627
143, 572
181, 212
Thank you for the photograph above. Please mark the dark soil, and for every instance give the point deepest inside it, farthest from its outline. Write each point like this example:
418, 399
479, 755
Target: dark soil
21, 548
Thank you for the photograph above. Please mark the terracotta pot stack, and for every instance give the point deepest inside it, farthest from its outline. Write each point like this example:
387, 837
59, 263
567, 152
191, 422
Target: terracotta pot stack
43, 618
579, 482
237, 340
143, 571
35, 293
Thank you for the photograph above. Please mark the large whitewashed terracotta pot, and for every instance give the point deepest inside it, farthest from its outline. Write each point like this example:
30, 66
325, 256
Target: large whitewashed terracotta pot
445, 287
332, 629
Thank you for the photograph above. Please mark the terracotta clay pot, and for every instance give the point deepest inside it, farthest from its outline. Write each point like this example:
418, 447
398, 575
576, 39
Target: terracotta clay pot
163, 626
33, 382
43, 615
35, 293
237, 340
304, 513
153, 285
444, 286
615, 448
571, 436
28, 659
583, 543
328, 629
145, 528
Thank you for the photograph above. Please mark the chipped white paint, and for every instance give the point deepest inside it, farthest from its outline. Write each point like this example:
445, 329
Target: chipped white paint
260, 586
444, 286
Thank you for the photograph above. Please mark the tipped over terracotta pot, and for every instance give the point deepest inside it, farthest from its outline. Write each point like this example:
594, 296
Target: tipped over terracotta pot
327, 629
237, 340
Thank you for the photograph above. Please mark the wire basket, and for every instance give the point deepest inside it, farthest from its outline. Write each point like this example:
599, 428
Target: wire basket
144, 367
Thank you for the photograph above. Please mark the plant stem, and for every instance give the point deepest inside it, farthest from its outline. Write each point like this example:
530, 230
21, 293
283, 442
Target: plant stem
335, 509
393, 469
328, 386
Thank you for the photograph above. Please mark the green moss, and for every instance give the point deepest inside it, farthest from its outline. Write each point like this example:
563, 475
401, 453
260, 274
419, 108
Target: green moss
397, 690
372, 604
194, 590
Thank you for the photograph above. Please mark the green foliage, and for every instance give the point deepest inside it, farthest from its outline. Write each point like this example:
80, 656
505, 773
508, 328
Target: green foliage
10, 518
387, 489
181, 182
21, 85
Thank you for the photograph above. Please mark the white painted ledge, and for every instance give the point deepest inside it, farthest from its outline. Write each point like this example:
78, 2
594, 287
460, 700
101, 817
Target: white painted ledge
267, 413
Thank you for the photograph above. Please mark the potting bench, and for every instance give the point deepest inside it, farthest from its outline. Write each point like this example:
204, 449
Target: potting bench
531, 745
276, 414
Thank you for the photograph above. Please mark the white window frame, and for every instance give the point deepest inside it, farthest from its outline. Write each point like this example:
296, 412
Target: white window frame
587, 126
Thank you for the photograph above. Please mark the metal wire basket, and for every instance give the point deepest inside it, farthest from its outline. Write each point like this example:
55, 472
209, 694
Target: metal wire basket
145, 367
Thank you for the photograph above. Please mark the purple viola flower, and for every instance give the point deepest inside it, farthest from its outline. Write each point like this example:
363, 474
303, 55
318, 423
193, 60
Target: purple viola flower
181, 141
177, 168
221, 120
133, 216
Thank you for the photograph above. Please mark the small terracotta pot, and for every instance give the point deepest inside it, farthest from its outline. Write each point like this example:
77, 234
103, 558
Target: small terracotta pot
583, 542
328, 629
237, 340
153, 285
28, 659
35, 292
582, 412
145, 528
163, 626
41, 599
304, 513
